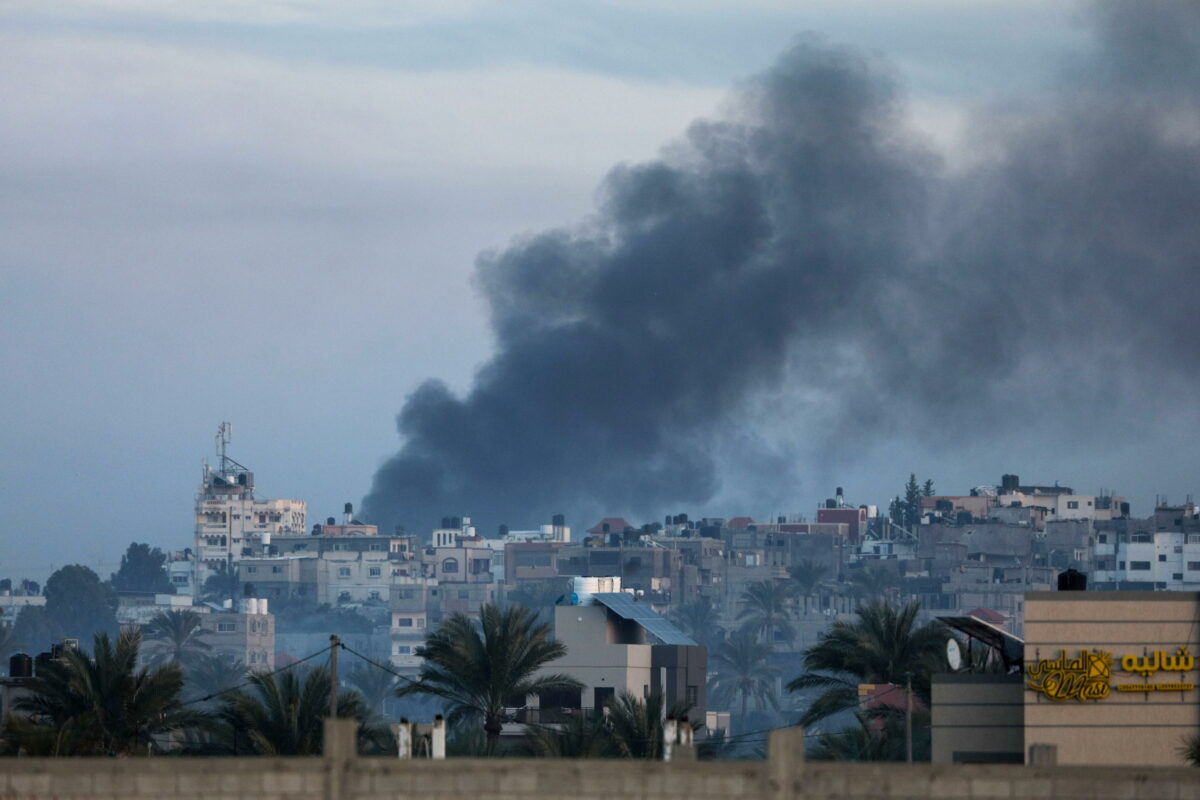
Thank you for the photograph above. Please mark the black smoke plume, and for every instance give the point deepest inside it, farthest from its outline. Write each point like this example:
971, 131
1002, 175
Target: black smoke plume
811, 248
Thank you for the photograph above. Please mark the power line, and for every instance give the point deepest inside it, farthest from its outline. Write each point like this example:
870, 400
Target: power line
260, 675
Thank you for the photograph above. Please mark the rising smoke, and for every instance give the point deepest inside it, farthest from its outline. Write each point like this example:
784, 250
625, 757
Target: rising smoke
810, 247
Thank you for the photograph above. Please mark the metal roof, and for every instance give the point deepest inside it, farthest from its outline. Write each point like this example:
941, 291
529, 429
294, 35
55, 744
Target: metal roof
1011, 648
626, 607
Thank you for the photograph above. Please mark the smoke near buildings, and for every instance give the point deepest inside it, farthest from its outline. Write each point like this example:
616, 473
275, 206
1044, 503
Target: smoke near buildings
810, 247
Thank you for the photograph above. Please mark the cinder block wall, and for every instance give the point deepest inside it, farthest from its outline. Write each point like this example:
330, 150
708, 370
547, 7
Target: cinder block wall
784, 776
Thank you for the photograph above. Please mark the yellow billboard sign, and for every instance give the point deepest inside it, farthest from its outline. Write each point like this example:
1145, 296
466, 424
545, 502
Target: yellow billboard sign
1087, 676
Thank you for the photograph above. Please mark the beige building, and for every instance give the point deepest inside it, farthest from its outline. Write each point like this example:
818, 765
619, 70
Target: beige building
1111, 677
230, 521
247, 635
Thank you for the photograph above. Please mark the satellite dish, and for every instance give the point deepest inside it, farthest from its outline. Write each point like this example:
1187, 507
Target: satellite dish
954, 655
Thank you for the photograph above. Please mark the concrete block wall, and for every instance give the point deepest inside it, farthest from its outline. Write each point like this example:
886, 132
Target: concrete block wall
784, 776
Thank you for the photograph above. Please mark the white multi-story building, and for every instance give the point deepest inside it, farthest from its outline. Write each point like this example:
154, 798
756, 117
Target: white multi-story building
230, 521
1170, 560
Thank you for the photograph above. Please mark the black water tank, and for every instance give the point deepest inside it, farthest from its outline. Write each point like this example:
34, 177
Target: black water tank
1124, 509
830, 502
558, 519
20, 666
1072, 580
41, 661
330, 521
503, 530
348, 508
1009, 483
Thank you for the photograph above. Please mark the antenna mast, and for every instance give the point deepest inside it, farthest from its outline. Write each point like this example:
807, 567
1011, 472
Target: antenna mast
224, 433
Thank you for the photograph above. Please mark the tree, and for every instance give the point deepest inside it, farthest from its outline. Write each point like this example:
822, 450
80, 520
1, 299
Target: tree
142, 570
8, 641
211, 674
806, 576
282, 714
742, 672
884, 645
222, 585
927, 488
481, 669
700, 621
374, 685
636, 725
541, 596
35, 630
912, 501
103, 705
79, 604
873, 580
764, 610
174, 636
583, 735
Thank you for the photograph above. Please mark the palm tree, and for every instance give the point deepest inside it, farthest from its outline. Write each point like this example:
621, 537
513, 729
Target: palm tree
212, 674
583, 735
541, 596
103, 705
479, 670
636, 725
174, 636
764, 610
806, 576
884, 645
742, 670
374, 685
282, 714
873, 580
1189, 749
699, 620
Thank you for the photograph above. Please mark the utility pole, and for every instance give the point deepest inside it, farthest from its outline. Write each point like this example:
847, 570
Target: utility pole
334, 644
908, 743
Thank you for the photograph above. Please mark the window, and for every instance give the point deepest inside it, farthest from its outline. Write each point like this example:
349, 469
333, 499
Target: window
276, 570
376, 547
251, 570
450, 565
403, 649
226, 627
374, 572
1121, 565
373, 595
1178, 548
343, 572
691, 695
420, 622
179, 579
1139, 565
1162, 556
1176, 576
1102, 538
1194, 566
1072, 504
340, 547
403, 622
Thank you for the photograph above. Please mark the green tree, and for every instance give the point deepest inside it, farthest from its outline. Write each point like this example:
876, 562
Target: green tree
481, 669
282, 714
806, 576
34, 629
873, 580
636, 725
79, 604
175, 636
222, 585
742, 671
927, 488
211, 674
884, 645
374, 685
765, 610
583, 735
143, 569
102, 705
700, 621
912, 502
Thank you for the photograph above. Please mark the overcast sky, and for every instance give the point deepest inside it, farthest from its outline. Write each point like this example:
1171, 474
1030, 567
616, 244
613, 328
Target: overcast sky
269, 213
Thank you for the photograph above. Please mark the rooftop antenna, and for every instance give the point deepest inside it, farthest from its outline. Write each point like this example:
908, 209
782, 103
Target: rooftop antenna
224, 433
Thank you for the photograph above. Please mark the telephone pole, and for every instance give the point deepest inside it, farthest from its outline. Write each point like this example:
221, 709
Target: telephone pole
908, 743
334, 644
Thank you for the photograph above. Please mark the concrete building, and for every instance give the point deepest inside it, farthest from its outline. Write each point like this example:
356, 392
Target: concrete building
616, 643
247, 634
230, 521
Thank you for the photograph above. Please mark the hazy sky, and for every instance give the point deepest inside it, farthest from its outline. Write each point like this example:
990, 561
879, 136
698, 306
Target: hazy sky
269, 213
